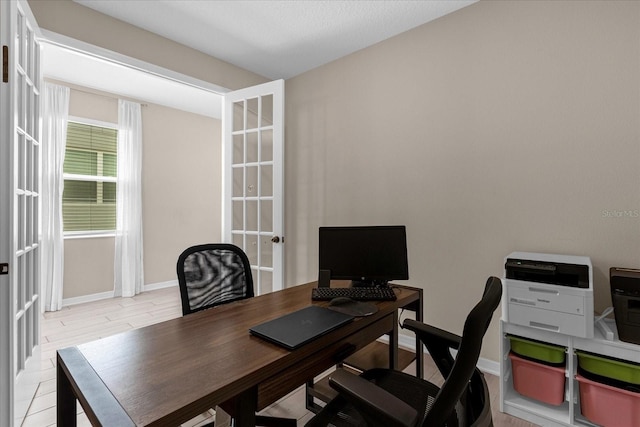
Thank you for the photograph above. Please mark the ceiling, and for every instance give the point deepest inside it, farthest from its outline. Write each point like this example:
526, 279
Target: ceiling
273, 38
276, 39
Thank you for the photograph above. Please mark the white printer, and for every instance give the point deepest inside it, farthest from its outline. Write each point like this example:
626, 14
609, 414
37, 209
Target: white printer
549, 292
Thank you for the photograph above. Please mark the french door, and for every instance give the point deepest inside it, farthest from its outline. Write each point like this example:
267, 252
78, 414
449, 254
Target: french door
253, 190
19, 211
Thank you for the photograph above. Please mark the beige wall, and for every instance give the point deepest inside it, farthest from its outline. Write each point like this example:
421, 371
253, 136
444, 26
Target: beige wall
182, 181
504, 126
88, 263
181, 195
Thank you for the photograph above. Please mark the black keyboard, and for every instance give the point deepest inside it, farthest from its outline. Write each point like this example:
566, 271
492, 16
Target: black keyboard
360, 294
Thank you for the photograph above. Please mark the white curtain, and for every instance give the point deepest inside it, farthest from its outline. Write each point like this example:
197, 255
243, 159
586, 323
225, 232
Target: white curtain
54, 136
129, 276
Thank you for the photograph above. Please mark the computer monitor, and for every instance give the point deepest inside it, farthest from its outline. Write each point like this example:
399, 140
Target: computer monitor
366, 255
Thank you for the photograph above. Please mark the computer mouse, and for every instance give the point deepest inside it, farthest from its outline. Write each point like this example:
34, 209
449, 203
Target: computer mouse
341, 301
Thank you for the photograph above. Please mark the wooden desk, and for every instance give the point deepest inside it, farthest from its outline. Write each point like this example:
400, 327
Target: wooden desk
168, 373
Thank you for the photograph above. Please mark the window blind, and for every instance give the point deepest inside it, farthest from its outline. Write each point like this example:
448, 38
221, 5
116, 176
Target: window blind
89, 197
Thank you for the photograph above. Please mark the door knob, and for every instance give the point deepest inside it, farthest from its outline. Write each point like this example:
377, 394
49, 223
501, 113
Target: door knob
275, 239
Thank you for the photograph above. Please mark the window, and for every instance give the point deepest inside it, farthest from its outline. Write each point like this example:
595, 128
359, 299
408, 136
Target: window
90, 170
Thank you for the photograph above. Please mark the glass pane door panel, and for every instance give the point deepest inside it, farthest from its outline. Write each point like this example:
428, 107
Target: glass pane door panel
238, 182
19, 363
238, 240
36, 272
238, 149
31, 340
266, 252
252, 215
266, 281
29, 276
30, 52
238, 114
252, 250
29, 167
238, 215
266, 215
29, 116
21, 212
20, 43
21, 275
266, 154
251, 189
33, 270
36, 156
252, 113
34, 220
266, 180
252, 147
26, 173
267, 111
21, 161
28, 238
36, 109
21, 101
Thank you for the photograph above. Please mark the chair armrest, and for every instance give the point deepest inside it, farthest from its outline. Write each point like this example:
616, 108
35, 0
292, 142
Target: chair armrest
375, 404
427, 333
438, 342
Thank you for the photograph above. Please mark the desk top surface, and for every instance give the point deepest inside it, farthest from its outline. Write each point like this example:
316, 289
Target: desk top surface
189, 364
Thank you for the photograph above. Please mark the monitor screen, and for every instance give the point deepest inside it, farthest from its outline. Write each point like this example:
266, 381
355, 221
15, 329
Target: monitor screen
367, 255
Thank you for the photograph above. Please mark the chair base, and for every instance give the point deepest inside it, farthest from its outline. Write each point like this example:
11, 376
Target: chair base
264, 421
222, 417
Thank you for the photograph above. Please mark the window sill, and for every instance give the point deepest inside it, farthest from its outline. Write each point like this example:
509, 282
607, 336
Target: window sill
88, 235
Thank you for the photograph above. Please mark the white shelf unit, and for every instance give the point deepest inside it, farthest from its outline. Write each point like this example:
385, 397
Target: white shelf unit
568, 413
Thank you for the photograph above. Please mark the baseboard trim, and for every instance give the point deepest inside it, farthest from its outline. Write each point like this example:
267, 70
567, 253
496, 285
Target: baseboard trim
159, 285
110, 294
87, 298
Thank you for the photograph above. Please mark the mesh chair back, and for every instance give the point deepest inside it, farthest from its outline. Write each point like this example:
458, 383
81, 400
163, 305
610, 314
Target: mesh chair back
464, 367
213, 274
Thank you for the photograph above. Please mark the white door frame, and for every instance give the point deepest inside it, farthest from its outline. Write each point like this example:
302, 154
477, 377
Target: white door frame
109, 56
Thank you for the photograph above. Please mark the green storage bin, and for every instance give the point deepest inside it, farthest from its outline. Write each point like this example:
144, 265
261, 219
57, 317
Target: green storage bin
548, 353
610, 368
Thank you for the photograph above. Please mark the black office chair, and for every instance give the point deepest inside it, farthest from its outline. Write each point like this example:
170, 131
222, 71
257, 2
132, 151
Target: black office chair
213, 274
388, 398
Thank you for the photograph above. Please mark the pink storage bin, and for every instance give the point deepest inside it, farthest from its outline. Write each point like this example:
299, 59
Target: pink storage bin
608, 406
537, 381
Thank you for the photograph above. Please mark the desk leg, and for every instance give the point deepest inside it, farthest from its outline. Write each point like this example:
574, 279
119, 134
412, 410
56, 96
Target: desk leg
419, 349
244, 408
65, 399
393, 343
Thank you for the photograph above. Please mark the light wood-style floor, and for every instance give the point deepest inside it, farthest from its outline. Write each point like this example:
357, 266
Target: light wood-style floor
81, 323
